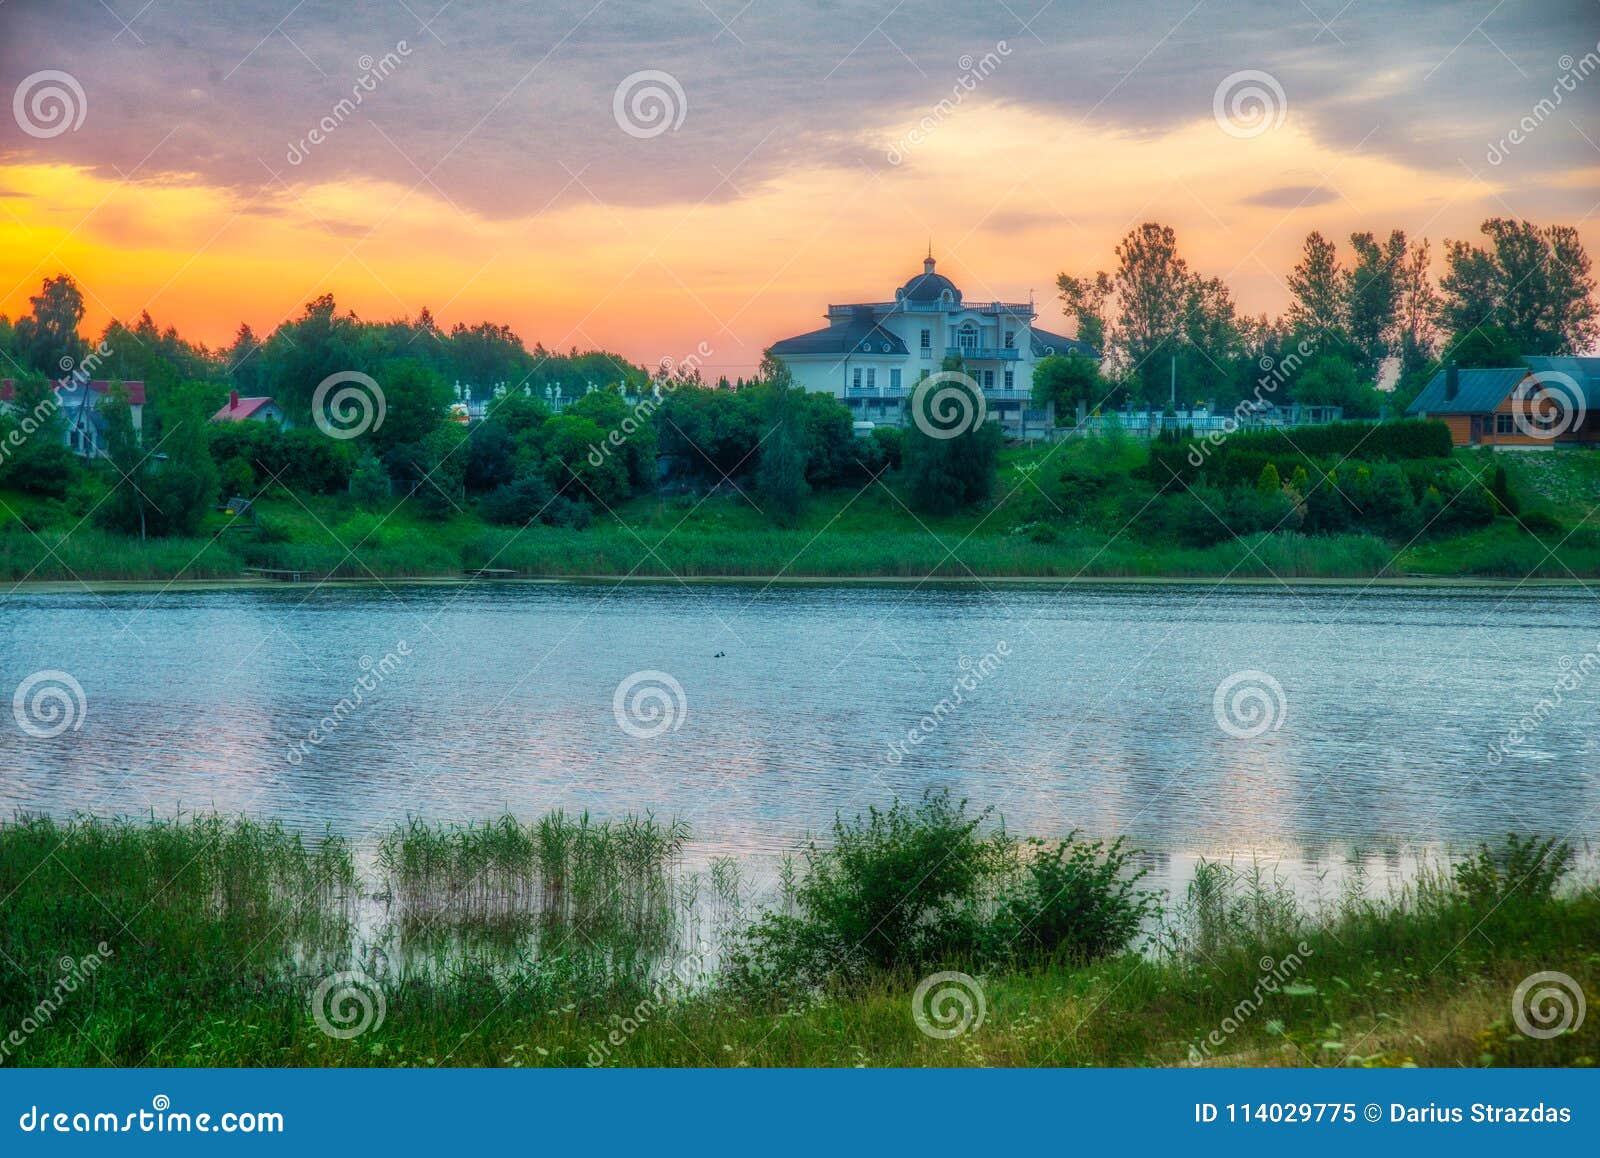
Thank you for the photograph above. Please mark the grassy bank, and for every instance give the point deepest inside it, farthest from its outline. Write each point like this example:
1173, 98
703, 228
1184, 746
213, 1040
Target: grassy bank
1022, 532
568, 942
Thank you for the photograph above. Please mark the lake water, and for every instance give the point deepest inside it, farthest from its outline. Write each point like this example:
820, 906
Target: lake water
1086, 706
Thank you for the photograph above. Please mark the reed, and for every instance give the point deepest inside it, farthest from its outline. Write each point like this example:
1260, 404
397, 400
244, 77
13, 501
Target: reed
607, 880
218, 931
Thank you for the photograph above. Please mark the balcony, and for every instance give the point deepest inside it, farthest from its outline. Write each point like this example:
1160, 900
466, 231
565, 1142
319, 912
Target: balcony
983, 353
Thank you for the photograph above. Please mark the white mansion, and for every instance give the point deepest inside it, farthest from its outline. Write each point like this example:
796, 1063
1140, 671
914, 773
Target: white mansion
872, 354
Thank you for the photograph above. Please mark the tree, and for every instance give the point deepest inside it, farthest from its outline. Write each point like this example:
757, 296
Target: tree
1212, 339
1085, 299
369, 483
1153, 292
637, 433
1417, 333
48, 337
1064, 381
169, 495
1330, 380
1373, 302
33, 451
1269, 481
1317, 288
946, 471
781, 472
1533, 283
442, 492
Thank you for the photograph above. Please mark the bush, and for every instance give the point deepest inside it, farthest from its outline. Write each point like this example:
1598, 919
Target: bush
896, 888
529, 500
1526, 870
921, 888
1076, 900
891, 441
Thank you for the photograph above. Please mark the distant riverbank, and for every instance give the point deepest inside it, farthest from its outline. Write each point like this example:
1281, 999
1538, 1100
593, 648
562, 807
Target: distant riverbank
158, 586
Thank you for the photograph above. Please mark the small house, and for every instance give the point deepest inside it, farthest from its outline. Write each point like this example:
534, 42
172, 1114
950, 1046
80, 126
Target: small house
259, 409
79, 401
1545, 402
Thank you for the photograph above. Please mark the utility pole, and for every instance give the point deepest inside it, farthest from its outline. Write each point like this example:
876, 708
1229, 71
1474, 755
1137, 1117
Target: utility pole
1173, 401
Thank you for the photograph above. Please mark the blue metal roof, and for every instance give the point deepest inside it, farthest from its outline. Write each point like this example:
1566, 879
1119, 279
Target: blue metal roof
1478, 391
1481, 391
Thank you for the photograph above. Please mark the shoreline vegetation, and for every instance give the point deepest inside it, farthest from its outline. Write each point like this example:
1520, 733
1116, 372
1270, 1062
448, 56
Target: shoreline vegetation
911, 935
343, 447
719, 536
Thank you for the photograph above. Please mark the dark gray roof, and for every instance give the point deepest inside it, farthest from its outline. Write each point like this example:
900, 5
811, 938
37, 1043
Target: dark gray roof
860, 335
1045, 343
1478, 391
928, 286
1584, 371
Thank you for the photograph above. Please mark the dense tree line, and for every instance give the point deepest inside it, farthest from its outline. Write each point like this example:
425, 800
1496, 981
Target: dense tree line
1528, 289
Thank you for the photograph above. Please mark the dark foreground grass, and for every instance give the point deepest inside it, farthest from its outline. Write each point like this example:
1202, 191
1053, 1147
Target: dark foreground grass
205, 942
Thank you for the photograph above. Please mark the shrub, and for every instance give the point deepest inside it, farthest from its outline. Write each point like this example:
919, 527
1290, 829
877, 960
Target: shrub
1076, 900
891, 441
898, 887
529, 500
1525, 869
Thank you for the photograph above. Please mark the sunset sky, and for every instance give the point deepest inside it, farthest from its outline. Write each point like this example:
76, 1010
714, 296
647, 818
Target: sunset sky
500, 171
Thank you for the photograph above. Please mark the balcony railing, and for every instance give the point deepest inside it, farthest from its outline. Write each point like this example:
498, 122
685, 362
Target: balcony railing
983, 353
1007, 309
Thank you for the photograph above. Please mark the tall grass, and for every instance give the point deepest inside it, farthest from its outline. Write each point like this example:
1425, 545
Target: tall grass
601, 879
218, 932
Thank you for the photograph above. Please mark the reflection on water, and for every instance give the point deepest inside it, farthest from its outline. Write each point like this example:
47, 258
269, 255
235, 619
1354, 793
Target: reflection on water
1100, 716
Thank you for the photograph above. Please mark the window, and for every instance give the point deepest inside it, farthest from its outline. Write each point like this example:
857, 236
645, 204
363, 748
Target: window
927, 339
988, 379
855, 379
1011, 340
872, 379
1011, 379
1505, 424
894, 378
967, 338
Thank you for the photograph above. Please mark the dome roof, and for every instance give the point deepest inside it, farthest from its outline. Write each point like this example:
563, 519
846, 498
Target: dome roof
928, 286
